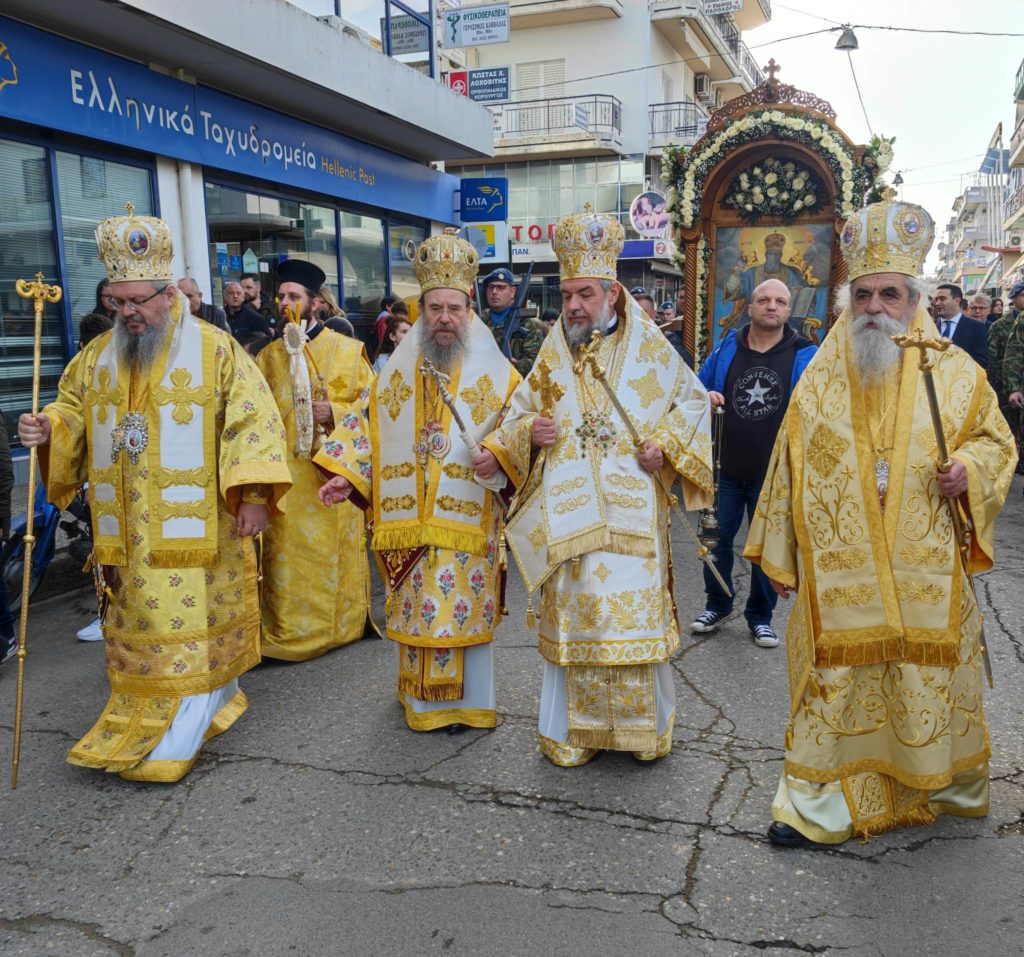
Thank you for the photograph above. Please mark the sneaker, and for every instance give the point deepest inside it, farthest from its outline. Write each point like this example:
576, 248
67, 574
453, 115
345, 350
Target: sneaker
707, 622
8, 650
91, 632
764, 636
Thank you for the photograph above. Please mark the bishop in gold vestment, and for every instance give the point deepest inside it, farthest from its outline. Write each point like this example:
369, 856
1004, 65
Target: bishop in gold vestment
315, 572
436, 528
591, 526
175, 431
887, 723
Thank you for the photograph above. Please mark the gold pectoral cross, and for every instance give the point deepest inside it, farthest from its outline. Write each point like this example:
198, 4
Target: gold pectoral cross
182, 395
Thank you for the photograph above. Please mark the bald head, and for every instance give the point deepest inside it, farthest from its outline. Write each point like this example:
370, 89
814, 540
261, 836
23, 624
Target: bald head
191, 291
768, 309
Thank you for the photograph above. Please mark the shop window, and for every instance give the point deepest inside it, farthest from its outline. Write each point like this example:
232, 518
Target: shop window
251, 233
27, 246
93, 189
364, 269
403, 240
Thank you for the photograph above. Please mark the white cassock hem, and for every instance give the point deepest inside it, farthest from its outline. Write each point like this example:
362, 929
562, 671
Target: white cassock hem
477, 684
183, 739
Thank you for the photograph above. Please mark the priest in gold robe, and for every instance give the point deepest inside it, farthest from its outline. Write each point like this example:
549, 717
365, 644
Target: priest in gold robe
887, 722
590, 527
315, 573
436, 528
175, 431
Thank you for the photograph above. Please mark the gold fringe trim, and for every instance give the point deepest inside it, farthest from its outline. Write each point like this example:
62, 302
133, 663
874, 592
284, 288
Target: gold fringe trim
110, 555
838, 654
595, 540
922, 782
183, 557
441, 692
606, 740
472, 540
914, 817
634, 546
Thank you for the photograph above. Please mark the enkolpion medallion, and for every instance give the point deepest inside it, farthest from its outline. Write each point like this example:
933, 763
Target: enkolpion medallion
131, 435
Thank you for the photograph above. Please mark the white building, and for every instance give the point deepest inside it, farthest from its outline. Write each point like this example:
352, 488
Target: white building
258, 130
598, 89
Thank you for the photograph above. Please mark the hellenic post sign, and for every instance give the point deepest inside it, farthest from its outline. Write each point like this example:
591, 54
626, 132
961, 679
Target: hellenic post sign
55, 83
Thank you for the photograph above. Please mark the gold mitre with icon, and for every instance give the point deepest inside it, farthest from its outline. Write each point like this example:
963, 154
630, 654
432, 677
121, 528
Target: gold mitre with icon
446, 261
588, 245
135, 248
889, 236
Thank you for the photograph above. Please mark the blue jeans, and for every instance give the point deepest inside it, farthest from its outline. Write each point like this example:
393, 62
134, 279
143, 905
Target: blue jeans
733, 499
6, 620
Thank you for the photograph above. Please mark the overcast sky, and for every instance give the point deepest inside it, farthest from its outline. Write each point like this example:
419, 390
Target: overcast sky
940, 95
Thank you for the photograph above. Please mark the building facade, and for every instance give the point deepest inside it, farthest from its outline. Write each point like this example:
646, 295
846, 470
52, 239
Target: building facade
293, 139
585, 128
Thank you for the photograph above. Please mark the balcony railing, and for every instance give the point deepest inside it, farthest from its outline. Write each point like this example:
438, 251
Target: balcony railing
597, 114
729, 33
1018, 137
1018, 84
681, 123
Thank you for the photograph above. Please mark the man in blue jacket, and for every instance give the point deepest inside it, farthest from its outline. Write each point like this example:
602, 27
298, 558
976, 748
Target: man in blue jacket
751, 375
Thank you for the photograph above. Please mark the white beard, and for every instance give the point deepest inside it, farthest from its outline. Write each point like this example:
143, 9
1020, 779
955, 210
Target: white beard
578, 333
873, 349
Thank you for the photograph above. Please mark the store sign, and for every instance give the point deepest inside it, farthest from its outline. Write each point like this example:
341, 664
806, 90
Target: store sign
648, 214
408, 35
476, 26
714, 7
58, 84
491, 85
483, 199
490, 240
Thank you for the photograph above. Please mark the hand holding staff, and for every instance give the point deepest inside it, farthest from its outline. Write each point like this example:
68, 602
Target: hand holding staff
40, 293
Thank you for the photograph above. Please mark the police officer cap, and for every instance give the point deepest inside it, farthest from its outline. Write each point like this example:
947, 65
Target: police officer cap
498, 275
306, 274
1018, 288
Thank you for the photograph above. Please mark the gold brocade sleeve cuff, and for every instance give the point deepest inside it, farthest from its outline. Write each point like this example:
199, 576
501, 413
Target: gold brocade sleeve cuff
255, 494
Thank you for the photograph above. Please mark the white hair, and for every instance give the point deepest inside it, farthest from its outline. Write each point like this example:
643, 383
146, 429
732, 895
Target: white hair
916, 288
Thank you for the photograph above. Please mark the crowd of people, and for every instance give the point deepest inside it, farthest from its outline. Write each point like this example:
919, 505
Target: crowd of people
563, 437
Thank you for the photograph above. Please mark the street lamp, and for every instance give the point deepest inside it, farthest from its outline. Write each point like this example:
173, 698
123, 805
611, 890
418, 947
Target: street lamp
848, 40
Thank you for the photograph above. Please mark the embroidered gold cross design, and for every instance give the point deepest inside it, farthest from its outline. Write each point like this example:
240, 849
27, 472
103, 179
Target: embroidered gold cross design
545, 387
481, 399
104, 395
182, 395
395, 394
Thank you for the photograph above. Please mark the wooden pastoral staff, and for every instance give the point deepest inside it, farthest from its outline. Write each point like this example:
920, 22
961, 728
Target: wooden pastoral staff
762, 195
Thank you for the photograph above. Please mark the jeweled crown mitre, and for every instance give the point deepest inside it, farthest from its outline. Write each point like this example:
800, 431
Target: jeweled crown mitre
135, 248
887, 237
588, 245
446, 262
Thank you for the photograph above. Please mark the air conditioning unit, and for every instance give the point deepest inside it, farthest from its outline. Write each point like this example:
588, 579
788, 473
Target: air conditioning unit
1016, 239
702, 86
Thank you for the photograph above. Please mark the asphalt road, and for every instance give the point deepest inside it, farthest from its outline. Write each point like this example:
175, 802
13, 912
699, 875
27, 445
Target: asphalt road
320, 825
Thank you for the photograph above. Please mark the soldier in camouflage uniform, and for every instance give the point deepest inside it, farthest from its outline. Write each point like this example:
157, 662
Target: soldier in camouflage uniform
1006, 361
519, 339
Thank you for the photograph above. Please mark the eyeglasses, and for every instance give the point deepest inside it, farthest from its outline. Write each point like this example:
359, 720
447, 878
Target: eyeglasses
436, 311
120, 304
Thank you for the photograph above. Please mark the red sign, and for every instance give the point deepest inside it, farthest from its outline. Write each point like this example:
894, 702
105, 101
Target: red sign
458, 80
533, 233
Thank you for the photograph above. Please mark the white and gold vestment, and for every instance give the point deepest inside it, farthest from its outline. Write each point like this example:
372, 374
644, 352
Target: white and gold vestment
887, 725
592, 533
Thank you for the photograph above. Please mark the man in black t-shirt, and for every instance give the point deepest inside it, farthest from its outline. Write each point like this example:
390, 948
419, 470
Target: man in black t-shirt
751, 375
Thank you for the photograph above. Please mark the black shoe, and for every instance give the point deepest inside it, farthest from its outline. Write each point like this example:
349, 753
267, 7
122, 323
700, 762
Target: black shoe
782, 835
456, 728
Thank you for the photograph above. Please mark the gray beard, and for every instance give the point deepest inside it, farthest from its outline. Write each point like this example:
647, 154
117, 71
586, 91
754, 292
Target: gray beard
443, 358
874, 351
577, 334
140, 351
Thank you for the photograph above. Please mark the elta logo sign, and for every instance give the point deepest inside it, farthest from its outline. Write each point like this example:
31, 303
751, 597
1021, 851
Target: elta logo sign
483, 200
